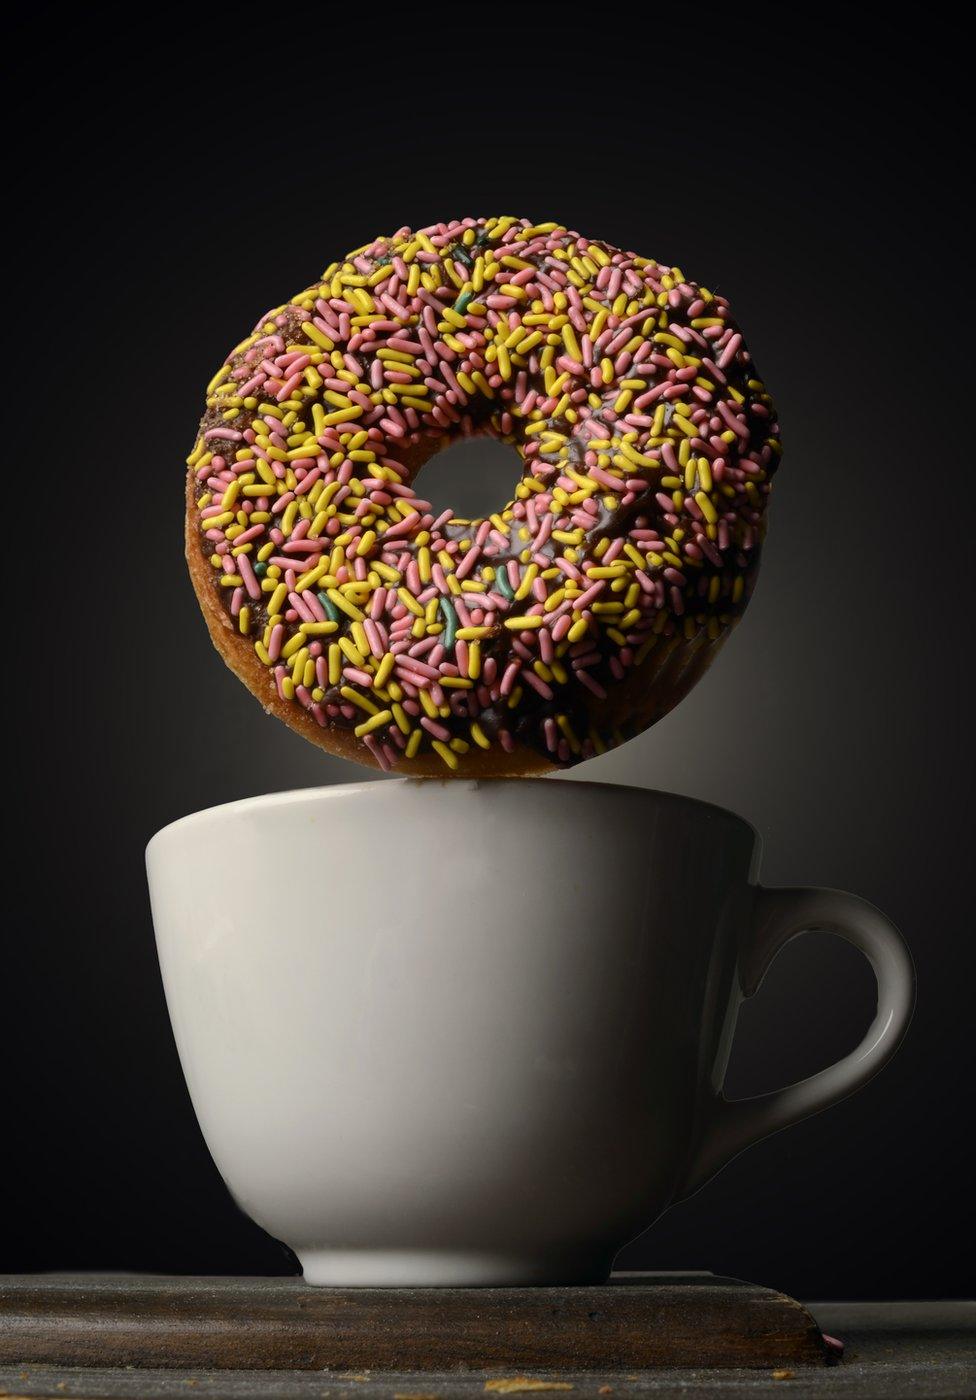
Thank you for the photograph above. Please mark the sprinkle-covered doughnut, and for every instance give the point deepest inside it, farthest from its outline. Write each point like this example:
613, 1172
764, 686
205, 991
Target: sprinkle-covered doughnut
566, 621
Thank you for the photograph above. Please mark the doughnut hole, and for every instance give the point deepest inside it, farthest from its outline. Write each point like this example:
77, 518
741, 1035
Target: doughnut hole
474, 477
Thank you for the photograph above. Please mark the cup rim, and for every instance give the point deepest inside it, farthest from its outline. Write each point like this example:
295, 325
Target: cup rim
339, 790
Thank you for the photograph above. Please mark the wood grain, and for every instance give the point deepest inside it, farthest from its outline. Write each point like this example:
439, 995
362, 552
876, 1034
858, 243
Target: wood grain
633, 1322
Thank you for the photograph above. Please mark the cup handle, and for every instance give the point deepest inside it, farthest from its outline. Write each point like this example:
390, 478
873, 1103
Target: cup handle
727, 1126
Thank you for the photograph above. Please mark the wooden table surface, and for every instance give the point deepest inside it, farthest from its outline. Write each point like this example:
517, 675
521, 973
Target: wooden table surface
634, 1322
893, 1351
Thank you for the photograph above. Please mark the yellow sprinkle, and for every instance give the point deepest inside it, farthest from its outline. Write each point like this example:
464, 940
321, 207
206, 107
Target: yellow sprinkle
384, 670
355, 698
312, 577
445, 753
376, 721
571, 343
706, 507
637, 458
342, 415
277, 600
318, 629
413, 743
609, 571
518, 624
528, 578
568, 732
479, 736
218, 378
410, 602
645, 650
335, 664
344, 605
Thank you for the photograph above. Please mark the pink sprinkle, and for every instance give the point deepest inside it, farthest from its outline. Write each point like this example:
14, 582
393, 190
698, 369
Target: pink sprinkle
732, 348
536, 683
251, 583
467, 563
590, 596
586, 679
438, 730
509, 678
276, 641
378, 752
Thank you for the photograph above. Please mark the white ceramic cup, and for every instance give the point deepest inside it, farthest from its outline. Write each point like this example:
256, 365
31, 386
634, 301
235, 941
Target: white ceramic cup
472, 1033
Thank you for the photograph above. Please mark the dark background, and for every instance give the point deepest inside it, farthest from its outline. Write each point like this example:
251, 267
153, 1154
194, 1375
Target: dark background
172, 183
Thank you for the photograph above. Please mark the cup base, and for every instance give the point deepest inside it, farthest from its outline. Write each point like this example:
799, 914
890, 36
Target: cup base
387, 1268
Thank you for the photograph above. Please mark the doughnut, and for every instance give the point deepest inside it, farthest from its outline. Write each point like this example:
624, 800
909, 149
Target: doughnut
563, 623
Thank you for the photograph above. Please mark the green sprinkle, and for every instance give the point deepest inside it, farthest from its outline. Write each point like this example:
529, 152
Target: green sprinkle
461, 305
330, 607
260, 568
502, 583
450, 624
